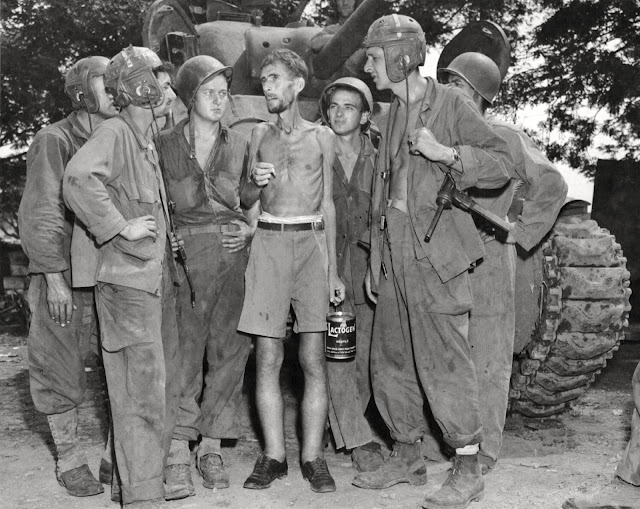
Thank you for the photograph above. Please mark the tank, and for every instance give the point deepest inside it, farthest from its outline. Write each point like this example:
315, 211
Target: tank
235, 35
572, 290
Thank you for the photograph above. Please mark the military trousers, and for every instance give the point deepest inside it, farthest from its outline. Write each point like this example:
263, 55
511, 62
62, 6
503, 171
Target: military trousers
57, 378
141, 357
350, 386
208, 333
629, 467
420, 345
491, 335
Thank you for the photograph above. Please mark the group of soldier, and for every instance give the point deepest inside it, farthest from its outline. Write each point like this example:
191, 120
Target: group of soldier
303, 216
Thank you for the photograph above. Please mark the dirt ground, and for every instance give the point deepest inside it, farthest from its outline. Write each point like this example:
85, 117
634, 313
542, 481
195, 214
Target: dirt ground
545, 461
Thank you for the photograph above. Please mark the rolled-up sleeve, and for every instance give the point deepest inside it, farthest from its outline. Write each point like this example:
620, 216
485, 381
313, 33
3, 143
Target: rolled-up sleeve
44, 230
546, 195
484, 155
86, 179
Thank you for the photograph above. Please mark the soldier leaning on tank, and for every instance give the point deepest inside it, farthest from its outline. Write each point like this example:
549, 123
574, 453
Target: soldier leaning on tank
420, 344
114, 186
203, 162
346, 105
492, 320
62, 318
292, 263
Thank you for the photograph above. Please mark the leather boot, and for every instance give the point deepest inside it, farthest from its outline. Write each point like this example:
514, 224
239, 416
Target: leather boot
72, 470
404, 465
464, 485
367, 457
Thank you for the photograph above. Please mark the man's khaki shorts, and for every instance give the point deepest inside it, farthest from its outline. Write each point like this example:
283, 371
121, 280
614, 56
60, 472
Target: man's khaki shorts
286, 269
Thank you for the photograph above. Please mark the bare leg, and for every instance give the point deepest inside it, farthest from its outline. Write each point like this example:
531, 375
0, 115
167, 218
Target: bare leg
315, 401
269, 356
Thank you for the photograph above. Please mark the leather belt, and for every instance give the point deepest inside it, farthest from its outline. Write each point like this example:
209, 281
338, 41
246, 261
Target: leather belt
398, 204
294, 227
208, 228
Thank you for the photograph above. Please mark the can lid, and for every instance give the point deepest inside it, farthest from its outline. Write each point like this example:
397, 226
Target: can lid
340, 316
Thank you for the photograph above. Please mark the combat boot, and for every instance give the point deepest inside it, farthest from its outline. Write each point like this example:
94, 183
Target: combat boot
404, 465
367, 457
464, 485
72, 470
177, 474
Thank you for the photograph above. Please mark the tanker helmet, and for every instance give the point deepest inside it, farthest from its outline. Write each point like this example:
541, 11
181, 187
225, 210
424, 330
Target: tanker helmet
403, 42
349, 84
79, 86
131, 80
478, 70
194, 72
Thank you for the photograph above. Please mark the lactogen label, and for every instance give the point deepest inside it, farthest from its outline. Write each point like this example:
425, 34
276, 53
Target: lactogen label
341, 329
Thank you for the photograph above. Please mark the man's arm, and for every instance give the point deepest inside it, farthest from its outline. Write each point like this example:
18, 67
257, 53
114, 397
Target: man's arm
85, 190
41, 214
547, 192
42, 222
478, 157
485, 158
327, 140
256, 175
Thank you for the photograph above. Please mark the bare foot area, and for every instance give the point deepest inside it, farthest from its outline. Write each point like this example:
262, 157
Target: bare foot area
545, 461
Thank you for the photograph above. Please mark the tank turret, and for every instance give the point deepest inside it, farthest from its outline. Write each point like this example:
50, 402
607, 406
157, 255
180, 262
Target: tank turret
234, 34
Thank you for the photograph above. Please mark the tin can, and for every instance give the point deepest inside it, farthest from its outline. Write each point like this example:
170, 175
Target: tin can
340, 340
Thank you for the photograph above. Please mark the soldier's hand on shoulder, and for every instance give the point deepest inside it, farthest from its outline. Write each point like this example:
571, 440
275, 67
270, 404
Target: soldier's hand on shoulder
262, 173
140, 228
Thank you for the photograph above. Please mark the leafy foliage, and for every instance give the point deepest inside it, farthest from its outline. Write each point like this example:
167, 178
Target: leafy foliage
586, 68
41, 39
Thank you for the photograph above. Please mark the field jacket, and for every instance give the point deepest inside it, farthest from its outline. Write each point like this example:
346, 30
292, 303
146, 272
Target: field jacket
484, 159
113, 178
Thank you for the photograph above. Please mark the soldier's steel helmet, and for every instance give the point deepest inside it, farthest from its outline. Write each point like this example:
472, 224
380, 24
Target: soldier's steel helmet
480, 71
79, 86
403, 42
131, 80
194, 72
350, 84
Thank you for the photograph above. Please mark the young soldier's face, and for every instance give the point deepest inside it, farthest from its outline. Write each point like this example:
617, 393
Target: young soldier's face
280, 89
345, 112
462, 85
376, 68
163, 109
106, 106
212, 99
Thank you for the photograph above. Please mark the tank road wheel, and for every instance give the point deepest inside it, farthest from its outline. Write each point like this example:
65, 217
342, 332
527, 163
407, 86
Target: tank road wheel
584, 309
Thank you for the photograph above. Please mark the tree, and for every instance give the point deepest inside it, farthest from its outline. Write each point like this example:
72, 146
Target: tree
586, 68
40, 40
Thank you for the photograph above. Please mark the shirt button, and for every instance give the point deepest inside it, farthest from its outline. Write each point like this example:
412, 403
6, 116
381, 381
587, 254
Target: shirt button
339, 255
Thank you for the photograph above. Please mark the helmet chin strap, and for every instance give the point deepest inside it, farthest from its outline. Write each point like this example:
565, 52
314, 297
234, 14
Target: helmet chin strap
406, 117
86, 107
192, 135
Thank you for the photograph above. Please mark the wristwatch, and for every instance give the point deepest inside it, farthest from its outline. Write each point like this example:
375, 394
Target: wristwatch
456, 156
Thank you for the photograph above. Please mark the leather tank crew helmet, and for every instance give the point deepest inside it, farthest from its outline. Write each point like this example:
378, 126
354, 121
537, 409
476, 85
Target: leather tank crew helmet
478, 70
349, 84
131, 80
403, 42
194, 72
79, 86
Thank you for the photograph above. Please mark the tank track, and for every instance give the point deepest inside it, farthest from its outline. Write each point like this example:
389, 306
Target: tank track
584, 311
